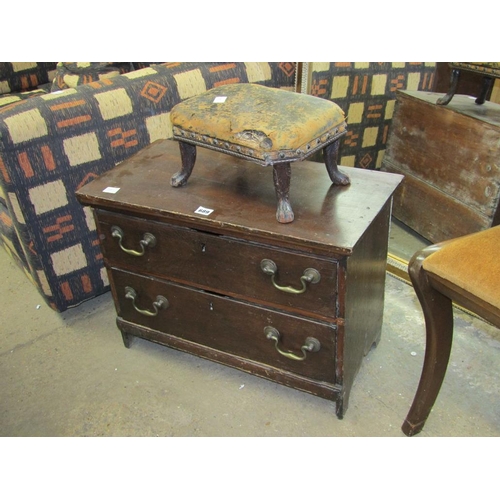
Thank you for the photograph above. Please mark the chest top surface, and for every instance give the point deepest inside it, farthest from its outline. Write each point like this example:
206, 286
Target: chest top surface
241, 198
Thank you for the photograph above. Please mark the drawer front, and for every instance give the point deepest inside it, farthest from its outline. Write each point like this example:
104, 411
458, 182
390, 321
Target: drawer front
227, 325
220, 264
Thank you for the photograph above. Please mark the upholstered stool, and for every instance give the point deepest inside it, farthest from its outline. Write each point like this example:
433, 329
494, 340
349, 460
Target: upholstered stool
267, 126
466, 271
489, 70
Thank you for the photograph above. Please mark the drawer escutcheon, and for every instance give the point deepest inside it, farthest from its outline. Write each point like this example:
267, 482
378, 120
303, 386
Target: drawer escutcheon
310, 345
310, 275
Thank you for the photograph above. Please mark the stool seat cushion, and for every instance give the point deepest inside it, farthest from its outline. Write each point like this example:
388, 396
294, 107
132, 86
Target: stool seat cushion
471, 262
263, 124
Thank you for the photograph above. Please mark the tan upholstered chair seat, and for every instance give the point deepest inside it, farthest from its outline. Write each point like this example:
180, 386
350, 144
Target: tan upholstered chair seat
472, 263
263, 124
464, 271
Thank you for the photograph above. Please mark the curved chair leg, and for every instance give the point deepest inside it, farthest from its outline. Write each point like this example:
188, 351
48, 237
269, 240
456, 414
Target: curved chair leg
443, 101
487, 83
438, 314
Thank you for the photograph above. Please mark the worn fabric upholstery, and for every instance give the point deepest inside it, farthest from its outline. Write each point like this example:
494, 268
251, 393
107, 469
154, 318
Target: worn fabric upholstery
259, 123
472, 263
484, 68
53, 144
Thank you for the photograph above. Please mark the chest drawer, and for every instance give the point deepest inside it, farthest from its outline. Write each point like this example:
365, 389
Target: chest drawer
231, 326
261, 274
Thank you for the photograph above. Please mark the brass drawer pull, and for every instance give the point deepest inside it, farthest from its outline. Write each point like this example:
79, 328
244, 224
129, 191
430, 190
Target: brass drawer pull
148, 240
311, 344
310, 276
160, 303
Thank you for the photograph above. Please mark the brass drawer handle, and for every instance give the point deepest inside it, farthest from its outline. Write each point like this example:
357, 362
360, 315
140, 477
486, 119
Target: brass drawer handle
148, 240
310, 276
310, 345
160, 303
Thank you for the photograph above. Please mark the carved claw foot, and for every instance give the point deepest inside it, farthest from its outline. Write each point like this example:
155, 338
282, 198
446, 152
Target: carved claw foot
338, 178
179, 179
284, 213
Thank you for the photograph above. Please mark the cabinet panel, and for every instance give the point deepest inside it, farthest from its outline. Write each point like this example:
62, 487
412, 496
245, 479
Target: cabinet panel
449, 157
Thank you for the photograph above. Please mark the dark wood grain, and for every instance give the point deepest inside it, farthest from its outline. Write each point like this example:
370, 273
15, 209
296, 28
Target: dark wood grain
208, 267
228, 325
284, 377
222, 265
328, 219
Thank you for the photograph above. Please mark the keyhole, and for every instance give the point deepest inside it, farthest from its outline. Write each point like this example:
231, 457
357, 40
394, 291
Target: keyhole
211, 307
203, 247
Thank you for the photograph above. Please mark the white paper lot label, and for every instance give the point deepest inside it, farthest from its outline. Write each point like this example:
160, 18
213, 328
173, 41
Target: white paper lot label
203, 211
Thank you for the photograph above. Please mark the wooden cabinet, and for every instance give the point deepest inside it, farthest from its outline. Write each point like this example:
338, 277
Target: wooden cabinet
207, 269
449, 157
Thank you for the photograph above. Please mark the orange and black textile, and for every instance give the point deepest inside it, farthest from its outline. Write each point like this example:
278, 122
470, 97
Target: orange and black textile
20, 77
20, 81
53, 144
72, 74
366, 91
24, 80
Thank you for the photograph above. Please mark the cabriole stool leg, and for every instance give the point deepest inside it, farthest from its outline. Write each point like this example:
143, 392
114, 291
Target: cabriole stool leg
188, 158
485, 87
330, 156
443, 101
282, 173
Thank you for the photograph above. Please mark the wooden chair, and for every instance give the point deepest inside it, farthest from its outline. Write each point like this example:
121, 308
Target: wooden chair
489, 70
466, 271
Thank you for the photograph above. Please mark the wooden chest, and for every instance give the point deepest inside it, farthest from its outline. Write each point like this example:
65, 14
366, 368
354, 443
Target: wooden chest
449, 156
191, 268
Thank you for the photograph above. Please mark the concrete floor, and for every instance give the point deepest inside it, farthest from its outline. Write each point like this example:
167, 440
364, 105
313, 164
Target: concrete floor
70, 375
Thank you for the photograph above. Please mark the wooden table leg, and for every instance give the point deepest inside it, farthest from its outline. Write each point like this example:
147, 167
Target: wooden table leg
443, 101
330, 155
127, 339
438, 314
188, 159
486, 85
282, 173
